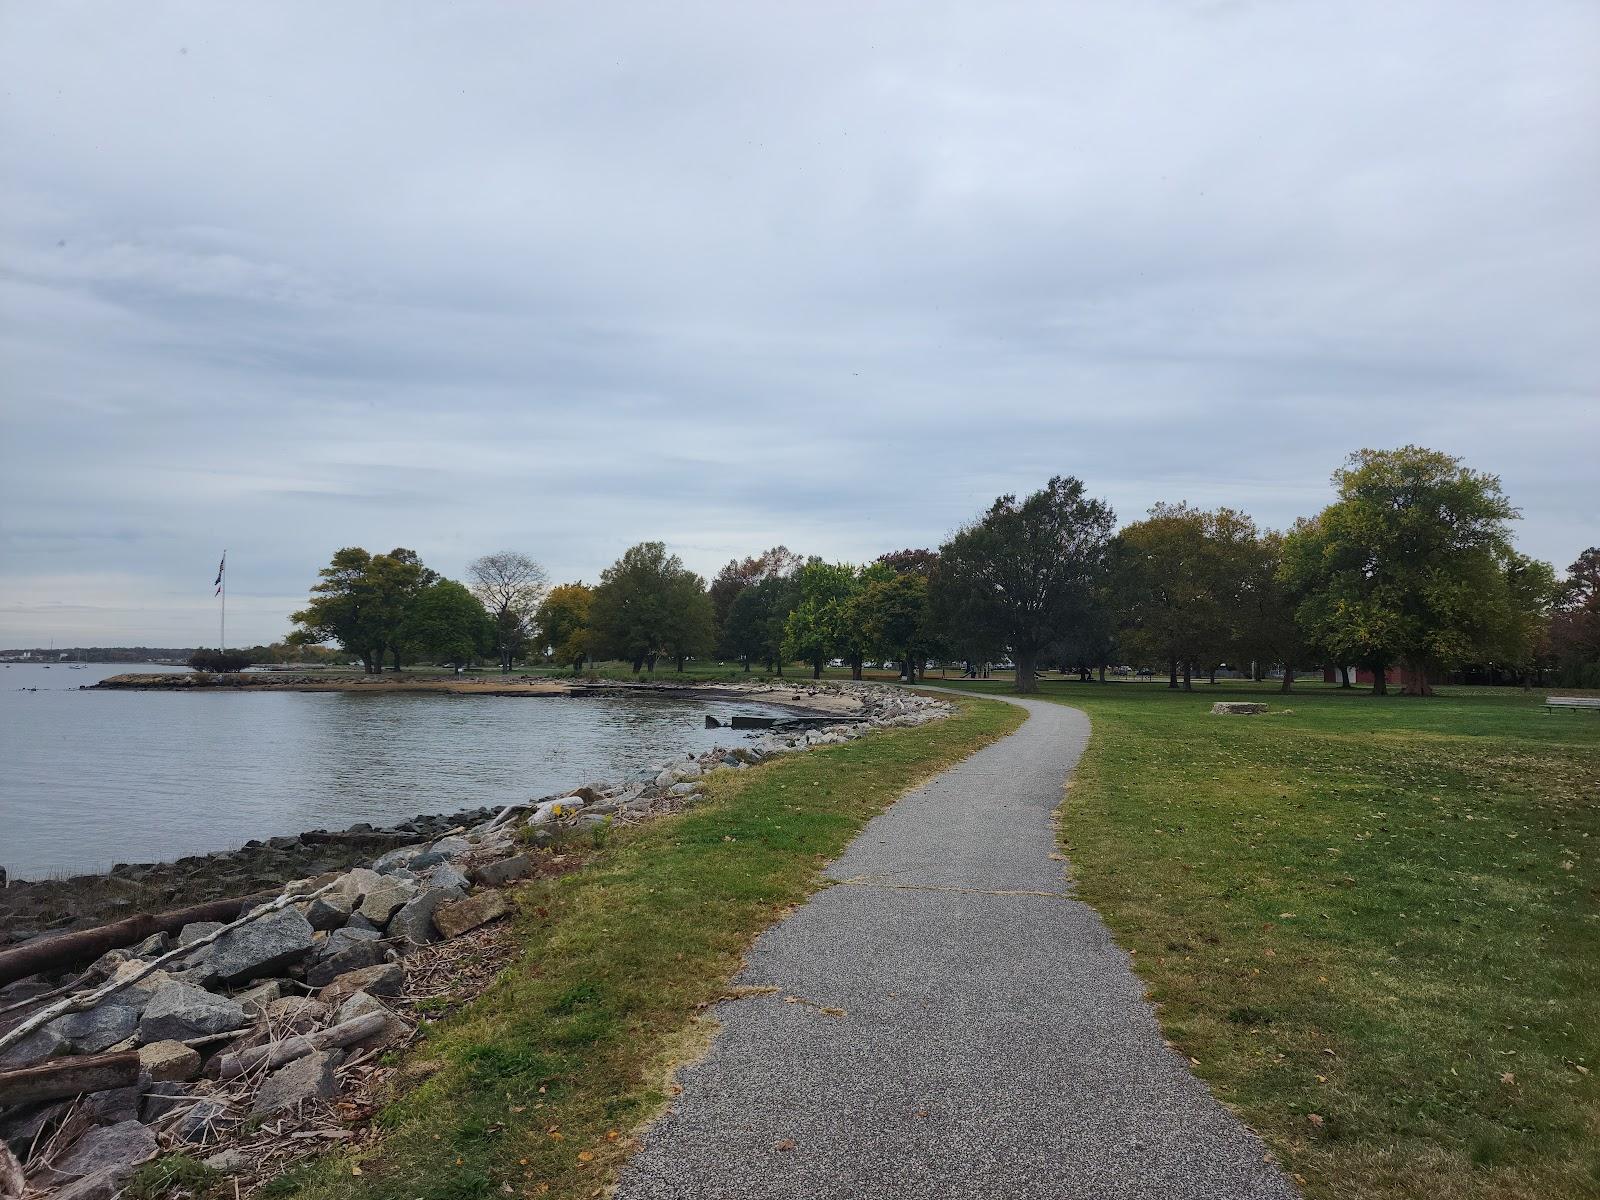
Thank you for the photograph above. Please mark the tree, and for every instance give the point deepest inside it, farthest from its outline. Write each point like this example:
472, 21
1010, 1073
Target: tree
775, 563
1575, 623
1179, 577
1266, 628
1411, 564
648, 603
510, 586
855, 635
562, 622
1026, 571
894, 615
691, 628
220, 660
815, 629
445, 622
344, 608
361, 603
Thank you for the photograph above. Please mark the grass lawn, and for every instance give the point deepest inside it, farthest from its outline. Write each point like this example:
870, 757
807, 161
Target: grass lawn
1373, 921
542, 1080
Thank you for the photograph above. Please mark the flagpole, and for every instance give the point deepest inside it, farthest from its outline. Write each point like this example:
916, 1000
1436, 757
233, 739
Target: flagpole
222, 621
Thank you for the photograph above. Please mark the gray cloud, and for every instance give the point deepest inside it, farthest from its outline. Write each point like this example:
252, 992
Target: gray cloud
562, 277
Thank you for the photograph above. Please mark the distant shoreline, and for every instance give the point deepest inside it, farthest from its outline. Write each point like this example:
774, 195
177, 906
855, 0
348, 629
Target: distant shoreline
801, 699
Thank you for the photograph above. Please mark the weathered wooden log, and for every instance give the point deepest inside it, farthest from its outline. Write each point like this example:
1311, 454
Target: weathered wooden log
275, 1054
69, 949
59, 1078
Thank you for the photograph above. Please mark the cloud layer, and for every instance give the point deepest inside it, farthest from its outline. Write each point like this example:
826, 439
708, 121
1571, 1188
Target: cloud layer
562, 277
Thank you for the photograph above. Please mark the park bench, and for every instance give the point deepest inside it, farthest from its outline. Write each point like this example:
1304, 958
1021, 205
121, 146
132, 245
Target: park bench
1592, 703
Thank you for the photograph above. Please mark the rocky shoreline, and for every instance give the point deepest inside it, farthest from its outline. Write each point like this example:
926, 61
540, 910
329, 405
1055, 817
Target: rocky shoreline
234, 1041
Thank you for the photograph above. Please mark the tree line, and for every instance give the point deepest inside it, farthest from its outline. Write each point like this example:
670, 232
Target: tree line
1411, 566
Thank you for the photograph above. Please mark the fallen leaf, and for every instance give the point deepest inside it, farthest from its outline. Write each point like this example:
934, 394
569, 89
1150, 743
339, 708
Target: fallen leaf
1508, 1077
1314, 1119
785, 1144
585, 1156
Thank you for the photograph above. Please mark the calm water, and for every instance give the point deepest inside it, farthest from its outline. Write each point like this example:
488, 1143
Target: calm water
92, 778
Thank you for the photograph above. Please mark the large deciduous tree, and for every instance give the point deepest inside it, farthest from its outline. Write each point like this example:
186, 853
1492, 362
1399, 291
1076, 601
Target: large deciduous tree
1026, 571
448, 624
562, 624
1412, 564
815, 629
894, 619
648, 604
1575, 624
361, 602
510, 586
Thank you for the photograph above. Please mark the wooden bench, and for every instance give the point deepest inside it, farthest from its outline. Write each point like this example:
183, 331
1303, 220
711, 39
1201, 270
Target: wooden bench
1591, 703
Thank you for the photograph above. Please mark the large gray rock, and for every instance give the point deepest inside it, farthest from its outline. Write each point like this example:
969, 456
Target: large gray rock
180, 1012
261, 947
386, 979
117, 1148
169, 1062
102, 1185
447, 876
444, 848
195, 930
382, 899
356, 883
353, 957
413, 924
310, 1077
206, 1121
97, 1030
1236, 708
496, 874
396, 860
458, 916
254, 1000
36, 1047
114, 1104
331, 909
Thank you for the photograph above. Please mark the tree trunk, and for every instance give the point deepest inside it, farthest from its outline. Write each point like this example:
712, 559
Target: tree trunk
650, 662
682, 659
1026, 684
1213, 676
1288, 677
1344, 677
855, 667
1102, 672
638, 663
1380, 679
1188, 676
1172, 674
1416, 680
1258, 672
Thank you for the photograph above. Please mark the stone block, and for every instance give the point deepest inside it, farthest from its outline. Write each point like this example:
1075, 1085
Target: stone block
170, 1062
310, 1077
381, 901
261, 947
458, 916
180, 1012
385, 979
497, 874
117, 1148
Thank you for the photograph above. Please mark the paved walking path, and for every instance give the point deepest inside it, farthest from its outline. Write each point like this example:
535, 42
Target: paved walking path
992, 1040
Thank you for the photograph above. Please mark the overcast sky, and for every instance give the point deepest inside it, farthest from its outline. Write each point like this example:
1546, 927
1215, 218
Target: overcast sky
285, 277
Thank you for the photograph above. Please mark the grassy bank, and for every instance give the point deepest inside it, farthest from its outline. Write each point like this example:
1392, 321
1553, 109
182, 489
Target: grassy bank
1372, 920
541, 1081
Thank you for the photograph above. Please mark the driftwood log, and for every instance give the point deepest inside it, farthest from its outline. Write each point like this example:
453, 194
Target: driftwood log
275, 1054
67, 950
63, 1077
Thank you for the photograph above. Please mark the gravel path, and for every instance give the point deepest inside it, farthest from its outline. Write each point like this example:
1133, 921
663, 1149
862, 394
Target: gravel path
959, 1027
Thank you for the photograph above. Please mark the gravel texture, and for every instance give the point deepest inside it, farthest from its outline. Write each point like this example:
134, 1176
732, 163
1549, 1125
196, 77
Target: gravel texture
986, 1037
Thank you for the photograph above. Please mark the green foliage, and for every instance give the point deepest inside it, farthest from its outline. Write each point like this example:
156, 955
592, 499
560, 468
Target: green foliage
1414, 563
894, 621
172, 1174
446, 623
562, 623
1025, 573
1574, 636
817, 627
220, 660
648, 604
361, 603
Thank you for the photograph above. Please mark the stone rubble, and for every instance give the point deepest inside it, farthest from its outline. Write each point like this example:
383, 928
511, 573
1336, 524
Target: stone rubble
333, 958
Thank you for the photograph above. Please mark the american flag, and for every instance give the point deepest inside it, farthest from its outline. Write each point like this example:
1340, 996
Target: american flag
221, 567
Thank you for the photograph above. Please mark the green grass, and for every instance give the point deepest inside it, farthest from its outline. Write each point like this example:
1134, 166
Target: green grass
1380, 913
540, 1083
